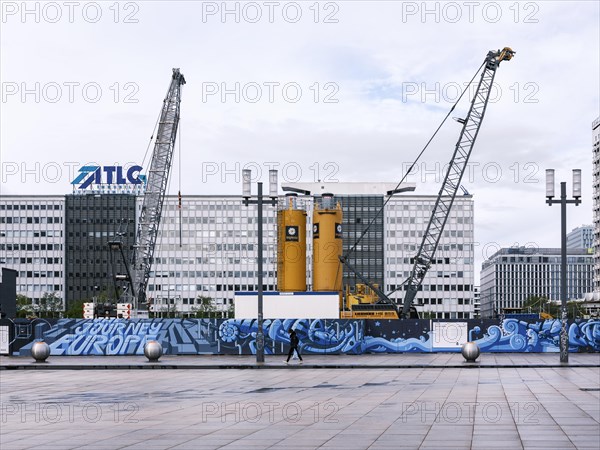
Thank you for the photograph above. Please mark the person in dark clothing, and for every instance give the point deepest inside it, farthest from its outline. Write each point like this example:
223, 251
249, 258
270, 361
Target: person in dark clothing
294, 341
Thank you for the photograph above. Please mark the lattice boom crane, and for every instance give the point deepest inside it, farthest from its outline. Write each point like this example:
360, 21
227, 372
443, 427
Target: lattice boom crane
458, 163
156, 186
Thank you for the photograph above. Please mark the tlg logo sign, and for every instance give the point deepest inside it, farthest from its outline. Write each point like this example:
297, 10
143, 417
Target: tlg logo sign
89, 175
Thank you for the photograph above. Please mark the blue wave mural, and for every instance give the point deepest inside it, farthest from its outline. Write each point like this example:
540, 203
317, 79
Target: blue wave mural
317, 336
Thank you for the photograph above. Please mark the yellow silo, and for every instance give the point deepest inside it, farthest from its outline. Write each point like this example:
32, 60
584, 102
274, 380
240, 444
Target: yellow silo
291, 247
327, 245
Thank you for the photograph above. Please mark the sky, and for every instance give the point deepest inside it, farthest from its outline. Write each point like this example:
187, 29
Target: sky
330, 91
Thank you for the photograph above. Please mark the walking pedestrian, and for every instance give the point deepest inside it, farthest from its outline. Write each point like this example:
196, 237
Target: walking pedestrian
294, 341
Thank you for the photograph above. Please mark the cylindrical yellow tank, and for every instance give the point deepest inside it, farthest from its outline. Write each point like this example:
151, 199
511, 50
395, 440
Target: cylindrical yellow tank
327, 245
291, 247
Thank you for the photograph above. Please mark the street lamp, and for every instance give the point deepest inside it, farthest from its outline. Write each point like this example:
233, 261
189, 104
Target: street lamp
259, 201
564, 337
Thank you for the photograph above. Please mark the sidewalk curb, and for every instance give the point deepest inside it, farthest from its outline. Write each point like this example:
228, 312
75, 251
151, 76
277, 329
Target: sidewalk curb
168, 366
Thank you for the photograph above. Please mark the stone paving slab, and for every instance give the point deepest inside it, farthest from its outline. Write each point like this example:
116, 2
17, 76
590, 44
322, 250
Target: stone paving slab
330, 408
405, 360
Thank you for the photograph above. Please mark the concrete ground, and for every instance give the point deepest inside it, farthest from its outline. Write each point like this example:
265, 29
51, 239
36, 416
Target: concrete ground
420, 401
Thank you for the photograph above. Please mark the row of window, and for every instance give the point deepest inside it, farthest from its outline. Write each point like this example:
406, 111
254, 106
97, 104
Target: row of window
24, 220
83, 207
30, 233
543, 259
406, 274
98, 221
437, 287
425, 206
34, 207
439, 301
392, 260
441, 247
210, 288
39, 260
39, 287
30, 247
459, 220
40, 273
419, 233
186, 301
210, 273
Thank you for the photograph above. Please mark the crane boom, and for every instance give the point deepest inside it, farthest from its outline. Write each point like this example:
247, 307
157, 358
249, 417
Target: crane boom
156, 186
458, 163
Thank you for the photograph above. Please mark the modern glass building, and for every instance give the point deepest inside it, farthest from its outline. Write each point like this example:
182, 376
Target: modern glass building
92, 221
512, 275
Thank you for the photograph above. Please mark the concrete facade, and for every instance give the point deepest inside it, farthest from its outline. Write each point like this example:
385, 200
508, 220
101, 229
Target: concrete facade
596, 199
32, 241
581, 237
208, 248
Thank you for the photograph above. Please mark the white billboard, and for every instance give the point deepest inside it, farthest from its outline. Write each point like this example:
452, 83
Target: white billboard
449, 334
288, 305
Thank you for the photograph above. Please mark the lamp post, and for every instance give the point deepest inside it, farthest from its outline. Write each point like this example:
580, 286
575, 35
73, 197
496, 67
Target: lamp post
563, 201
259, 201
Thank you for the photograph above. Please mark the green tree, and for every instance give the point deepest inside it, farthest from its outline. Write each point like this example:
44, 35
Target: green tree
231, 311
205, 308
24, 306
75, 310
574, 310
539, 305
170, 310
536, 304
50, 306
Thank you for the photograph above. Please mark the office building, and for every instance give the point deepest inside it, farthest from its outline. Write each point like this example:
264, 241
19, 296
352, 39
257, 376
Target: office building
208, 247
596, 199
32, 242
513, 275
91, 222
581, 237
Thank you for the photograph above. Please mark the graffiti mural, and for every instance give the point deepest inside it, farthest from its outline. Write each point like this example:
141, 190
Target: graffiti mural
397, 336
511, 335
125, 337
317, 336
538, 336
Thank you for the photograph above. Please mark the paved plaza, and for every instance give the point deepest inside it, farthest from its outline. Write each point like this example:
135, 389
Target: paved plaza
420, 401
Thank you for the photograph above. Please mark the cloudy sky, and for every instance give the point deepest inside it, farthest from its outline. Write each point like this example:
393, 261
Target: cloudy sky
336, 91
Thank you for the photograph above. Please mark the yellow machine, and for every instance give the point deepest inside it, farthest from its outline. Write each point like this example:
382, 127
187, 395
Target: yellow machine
291, 247
327, 245
362, 304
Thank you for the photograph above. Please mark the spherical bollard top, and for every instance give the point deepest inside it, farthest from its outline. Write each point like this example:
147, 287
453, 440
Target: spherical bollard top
470, 351
153, 350
40, 351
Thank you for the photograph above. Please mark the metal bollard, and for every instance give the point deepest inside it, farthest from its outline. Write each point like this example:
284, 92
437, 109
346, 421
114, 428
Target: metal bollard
40, 351
153, 350
470, 351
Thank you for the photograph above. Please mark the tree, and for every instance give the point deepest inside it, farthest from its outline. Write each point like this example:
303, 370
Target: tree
24, 306
75, 310
205, 307
539, 305
50, 305
169, 310
231, 311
